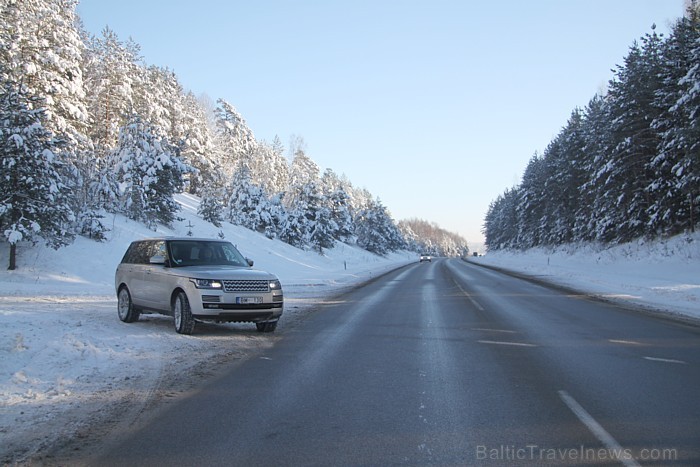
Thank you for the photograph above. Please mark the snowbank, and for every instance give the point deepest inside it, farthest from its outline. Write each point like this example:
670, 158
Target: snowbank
662, 275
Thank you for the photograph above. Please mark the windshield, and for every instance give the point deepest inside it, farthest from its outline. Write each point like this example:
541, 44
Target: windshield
204, 253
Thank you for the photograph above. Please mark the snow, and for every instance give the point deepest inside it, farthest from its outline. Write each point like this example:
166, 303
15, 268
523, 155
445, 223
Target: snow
661, 276
70, 370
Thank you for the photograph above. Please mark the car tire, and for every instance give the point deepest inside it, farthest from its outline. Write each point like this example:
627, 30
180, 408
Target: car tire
126, 310
267, 326
184, 321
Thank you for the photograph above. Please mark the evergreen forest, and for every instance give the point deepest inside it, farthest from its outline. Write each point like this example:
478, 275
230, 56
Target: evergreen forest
89, 130
625, 167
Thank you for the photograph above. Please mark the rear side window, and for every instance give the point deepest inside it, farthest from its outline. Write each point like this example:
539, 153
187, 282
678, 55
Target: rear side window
141, 252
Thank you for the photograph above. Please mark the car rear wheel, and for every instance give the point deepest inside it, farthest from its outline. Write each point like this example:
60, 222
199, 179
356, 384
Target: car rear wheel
184, 321
128, 313
267, 326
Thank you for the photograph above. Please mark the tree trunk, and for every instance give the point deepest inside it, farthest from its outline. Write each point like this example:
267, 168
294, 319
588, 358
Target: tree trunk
13, 257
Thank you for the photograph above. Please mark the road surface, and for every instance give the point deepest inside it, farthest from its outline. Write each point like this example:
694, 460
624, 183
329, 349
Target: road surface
445, 363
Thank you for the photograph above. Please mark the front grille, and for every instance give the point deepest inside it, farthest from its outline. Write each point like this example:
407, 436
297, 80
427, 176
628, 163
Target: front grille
246, 286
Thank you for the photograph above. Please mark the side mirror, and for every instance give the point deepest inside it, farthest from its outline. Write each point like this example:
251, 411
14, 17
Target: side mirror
157, 259
250, 262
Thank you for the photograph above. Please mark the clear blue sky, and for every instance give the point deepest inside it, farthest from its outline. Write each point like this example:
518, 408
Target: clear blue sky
434, 106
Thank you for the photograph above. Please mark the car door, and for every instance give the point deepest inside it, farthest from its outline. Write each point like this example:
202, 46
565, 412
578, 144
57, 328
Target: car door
156, 280
133, 272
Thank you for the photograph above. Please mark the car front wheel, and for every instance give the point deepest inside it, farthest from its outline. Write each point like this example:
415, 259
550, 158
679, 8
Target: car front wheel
184, 321
125, 307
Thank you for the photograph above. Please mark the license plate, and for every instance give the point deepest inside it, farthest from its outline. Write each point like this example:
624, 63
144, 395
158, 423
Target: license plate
248, 300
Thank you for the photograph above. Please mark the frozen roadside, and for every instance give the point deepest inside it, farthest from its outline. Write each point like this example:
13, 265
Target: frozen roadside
661, 276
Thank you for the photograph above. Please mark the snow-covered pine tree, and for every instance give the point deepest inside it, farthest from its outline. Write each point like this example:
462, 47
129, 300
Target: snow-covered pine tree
591, 216
148, 172
294, 228
633, 107
211, 206
676, 190
530, 211
197, 146
501, 224
33, 200
563, 159
246, 200
273, 215
321, 227
303, 169
41, 47
113, 74
269, 168
233, 136
376, 231
337, 201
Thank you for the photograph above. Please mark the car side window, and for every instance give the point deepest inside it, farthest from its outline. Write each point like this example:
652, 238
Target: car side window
156, 248
135, 253
142, 253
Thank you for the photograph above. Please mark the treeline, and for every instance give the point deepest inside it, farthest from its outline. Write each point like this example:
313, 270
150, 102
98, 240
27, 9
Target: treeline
89, 129
428, 237
627, 166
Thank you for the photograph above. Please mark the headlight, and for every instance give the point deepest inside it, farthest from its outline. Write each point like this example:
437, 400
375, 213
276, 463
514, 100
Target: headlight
275, 285
206, 283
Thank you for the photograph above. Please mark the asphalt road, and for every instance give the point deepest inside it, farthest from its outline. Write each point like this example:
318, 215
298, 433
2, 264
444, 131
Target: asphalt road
445, 363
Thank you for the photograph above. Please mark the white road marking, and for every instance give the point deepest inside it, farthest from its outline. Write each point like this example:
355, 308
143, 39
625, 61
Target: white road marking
620, 341
665, 360
516, 344
508, 331
595, 428
474, 302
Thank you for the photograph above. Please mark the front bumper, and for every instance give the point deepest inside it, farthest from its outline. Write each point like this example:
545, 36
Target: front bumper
218, 305
242, 315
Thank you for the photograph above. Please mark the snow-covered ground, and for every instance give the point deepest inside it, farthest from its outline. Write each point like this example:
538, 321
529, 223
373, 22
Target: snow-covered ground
68, 365
71, 372
662, 275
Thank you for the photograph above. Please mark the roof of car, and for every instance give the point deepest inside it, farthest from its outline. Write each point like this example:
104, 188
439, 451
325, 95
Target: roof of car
170, 238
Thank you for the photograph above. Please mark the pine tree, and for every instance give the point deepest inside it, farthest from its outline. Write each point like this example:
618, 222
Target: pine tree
211, 207
320, 226
113, 74
41, 48
303, 169
530, 208
234, 137
633, 108
246, 201
196, 145
337, 202
591, 217
677, 188
376, 231
148, 172
32, 193
294, 228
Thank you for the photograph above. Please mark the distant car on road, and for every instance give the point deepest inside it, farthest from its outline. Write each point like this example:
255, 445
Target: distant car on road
426, 257
195, 280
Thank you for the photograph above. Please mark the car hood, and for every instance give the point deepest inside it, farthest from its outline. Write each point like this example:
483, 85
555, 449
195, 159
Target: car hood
222, 272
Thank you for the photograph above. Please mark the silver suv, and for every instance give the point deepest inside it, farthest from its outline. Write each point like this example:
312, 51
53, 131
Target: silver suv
195, 279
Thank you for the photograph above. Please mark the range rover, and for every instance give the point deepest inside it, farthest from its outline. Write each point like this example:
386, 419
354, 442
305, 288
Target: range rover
195, 280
